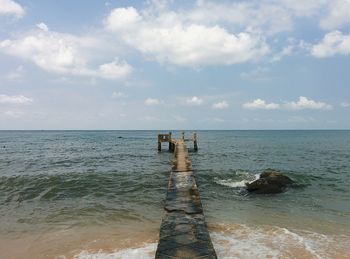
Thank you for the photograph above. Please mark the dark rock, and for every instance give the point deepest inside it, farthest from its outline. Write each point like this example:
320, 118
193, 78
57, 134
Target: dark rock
270, 181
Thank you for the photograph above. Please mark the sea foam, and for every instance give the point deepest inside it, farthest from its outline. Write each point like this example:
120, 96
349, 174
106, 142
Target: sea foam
241, 241
147, 251
244, 178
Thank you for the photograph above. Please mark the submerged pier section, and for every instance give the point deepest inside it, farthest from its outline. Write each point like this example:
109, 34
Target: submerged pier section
183, 232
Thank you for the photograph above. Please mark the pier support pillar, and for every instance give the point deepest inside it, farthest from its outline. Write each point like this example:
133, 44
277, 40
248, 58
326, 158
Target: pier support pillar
195, 145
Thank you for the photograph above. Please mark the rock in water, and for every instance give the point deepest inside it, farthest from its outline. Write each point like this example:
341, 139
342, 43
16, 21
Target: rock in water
270, 181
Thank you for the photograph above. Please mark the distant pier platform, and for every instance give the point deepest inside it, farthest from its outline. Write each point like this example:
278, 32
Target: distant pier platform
183, 231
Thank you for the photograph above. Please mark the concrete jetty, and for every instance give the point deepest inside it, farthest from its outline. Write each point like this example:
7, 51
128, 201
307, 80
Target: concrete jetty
183, 232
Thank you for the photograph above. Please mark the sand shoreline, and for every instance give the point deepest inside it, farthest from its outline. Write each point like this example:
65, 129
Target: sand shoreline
137, 240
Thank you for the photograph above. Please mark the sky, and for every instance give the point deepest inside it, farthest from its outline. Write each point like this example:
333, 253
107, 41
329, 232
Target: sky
161, 64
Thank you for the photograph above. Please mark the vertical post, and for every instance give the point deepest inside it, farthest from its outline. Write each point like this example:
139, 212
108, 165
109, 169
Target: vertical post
159, 144
195, 145
183, 135
170, 143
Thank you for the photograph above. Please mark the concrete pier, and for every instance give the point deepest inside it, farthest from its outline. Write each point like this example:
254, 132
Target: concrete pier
183, 232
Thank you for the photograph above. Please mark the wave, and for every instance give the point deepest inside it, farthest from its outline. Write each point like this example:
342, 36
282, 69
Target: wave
147, 251
241, 241
239, 180
72, 186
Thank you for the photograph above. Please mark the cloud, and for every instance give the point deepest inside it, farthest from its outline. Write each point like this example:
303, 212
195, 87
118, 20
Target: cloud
122, 19
42, 26
166, 38
286, 51
15, 99
259, 15
333, 43
220, 105
302, 104
260, 104
151, 101
345, 104
62, 53
196, 101
338, 15
267, 16
114, 70
9, 7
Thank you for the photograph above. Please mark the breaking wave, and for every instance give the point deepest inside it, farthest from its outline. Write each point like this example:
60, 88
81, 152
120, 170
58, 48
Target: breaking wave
241, 241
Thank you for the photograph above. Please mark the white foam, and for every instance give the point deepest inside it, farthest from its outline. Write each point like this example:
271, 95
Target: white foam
145, 252
241, 241
232, 183
269, 242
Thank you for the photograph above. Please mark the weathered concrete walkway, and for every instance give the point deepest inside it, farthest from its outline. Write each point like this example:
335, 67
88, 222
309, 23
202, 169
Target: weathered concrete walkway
183, 232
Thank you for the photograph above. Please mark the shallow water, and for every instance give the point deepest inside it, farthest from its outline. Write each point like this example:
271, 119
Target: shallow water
99, 194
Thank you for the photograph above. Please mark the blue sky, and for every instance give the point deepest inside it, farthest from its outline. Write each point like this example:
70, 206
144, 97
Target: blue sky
260, 64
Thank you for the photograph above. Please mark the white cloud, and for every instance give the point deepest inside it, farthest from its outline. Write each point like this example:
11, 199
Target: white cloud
286, 51
304, 8
220, 105
62, 53
338, 15
15, 99
267, 16
119, 95
152, 101
168, 39
42, 26
333, 43
345, 104
304, 103
217, 32
114, 70
260, 104
122, 19
9, 7
194, 101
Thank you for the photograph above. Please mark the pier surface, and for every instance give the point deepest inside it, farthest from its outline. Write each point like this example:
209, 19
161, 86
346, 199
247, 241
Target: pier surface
183, 232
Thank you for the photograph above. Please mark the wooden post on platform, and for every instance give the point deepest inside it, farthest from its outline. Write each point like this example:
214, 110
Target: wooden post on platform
159, 144
195, 145
170, 143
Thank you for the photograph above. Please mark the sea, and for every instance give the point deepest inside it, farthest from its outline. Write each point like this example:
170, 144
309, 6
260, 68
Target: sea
100, 194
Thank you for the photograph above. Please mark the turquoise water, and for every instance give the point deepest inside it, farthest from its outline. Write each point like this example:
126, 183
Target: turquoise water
60, 180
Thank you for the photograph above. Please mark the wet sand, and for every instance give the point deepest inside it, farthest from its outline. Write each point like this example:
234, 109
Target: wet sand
69, 243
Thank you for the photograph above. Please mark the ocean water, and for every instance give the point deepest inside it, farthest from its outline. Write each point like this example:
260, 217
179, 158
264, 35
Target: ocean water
100, 194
